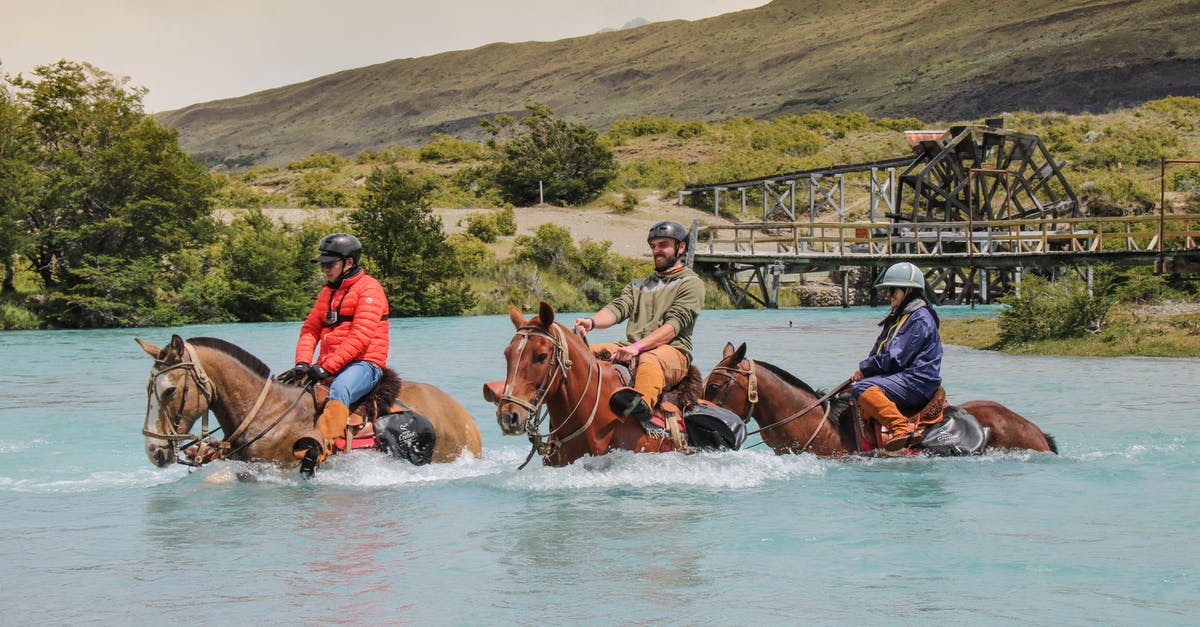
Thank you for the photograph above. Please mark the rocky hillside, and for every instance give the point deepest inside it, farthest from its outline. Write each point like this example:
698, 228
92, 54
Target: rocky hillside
931, 59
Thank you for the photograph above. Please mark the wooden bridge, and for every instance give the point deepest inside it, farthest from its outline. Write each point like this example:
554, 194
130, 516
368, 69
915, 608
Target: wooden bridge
967, 261
974, 206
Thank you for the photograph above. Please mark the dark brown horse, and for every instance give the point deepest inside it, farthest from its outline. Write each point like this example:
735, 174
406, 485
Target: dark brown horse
772, 396
259, 417
551, 367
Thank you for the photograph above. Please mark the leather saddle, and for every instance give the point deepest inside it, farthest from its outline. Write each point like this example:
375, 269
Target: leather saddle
360, 425
946, 430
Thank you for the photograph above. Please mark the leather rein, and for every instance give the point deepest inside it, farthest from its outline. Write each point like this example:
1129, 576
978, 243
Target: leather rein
219, 450
752, 400
556, 375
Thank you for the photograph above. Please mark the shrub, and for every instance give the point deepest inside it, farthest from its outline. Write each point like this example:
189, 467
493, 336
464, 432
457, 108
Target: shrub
1046, 310
326, 160
447, 149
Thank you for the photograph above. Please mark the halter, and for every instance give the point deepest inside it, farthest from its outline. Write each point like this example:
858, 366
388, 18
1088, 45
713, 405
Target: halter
560, 362
197, 373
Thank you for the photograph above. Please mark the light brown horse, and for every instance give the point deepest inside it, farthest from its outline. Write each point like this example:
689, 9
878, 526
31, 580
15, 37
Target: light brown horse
771, 395
259, 417
551, 367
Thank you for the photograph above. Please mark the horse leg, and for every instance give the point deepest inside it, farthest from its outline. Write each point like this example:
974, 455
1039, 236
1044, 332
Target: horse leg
1010, 430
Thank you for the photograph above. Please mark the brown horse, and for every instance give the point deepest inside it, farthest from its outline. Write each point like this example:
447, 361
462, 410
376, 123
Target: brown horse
772, 397
550, 366
261, 418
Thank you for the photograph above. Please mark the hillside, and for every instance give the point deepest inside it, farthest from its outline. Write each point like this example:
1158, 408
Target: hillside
932, 59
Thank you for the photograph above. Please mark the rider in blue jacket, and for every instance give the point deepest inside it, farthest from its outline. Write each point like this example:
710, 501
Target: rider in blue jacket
904, 369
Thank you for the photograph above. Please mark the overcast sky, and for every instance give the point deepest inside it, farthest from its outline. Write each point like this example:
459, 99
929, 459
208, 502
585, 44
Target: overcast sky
191, 51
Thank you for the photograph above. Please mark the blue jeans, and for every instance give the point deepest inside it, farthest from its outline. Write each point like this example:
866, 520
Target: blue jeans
354, 381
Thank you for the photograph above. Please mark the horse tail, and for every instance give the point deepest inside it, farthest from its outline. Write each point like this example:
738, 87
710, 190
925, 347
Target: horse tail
1050, 441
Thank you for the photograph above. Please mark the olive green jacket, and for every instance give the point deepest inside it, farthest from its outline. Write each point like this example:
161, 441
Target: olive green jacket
674, 299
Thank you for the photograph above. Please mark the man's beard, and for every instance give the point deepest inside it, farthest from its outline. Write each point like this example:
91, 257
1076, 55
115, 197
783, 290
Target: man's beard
662, 264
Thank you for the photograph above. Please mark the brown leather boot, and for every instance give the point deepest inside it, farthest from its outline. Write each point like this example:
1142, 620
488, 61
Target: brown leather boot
332, 421
876, 405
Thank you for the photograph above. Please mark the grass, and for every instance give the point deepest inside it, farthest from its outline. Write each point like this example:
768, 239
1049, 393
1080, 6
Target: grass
1126, 333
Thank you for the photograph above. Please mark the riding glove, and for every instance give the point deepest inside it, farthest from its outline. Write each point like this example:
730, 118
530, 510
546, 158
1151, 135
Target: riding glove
296, 374
317, 373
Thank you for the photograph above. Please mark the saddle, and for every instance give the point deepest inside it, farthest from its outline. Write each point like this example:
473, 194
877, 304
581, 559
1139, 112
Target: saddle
945, 430
379, 421
698, 425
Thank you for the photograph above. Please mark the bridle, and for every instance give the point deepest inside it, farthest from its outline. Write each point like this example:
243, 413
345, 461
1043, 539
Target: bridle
752, 400
208, 449
731, 375
556, 375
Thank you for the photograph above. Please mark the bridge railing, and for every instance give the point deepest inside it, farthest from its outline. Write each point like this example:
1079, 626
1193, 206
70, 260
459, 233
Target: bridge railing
1003, 237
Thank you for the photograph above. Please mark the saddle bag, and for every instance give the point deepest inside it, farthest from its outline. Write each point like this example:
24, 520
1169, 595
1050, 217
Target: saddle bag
713, 428
958, 434
406, 435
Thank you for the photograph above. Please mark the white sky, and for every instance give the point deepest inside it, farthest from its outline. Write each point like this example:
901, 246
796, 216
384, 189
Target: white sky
190, 51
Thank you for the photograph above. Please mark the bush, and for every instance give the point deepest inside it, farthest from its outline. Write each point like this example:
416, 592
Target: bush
1045, 310
447, 149
326, 160
315, 189
568, 160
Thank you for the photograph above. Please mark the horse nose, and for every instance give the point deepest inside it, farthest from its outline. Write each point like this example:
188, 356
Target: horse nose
510, 422
159, 455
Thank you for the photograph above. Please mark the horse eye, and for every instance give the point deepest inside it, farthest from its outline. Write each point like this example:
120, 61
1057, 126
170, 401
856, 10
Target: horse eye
539, 358
169, 393
713, 388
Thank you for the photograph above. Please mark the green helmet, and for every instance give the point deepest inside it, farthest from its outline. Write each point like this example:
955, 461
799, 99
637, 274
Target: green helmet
903, 274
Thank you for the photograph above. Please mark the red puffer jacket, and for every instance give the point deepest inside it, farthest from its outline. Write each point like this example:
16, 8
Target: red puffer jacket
361, 333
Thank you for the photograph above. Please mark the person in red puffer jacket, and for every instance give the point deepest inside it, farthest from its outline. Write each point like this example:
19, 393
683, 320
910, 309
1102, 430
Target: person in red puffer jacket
349, 322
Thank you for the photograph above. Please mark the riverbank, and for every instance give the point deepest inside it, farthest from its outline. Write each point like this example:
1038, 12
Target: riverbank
1159, 330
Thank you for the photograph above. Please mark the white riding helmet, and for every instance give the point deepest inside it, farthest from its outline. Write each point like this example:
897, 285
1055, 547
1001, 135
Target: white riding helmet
903, 274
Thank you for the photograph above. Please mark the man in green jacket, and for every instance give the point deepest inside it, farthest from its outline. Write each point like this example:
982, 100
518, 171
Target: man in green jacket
662, 311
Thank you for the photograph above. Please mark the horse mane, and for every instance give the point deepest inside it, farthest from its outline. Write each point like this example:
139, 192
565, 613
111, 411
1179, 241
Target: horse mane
788, 377
236, 352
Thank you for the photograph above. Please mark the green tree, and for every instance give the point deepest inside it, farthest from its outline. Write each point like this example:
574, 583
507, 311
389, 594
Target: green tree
17, 179
117, 197
569, 160
405, 246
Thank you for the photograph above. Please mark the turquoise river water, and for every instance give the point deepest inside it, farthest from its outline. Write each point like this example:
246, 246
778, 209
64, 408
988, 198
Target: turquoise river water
1107, 532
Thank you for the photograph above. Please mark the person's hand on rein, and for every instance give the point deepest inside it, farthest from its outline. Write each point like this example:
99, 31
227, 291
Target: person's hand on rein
582, 325
295, 374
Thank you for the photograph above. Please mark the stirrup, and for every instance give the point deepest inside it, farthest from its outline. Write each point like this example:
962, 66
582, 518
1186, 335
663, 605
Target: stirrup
895, 444
311, 459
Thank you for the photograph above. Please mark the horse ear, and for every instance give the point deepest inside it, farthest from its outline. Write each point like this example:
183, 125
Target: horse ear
514, 314
546, 313
175, 349
150, 349
741, 351
728, 350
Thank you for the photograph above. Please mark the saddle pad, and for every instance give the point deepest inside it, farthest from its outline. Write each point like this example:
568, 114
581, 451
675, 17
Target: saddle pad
406, 435
959, 433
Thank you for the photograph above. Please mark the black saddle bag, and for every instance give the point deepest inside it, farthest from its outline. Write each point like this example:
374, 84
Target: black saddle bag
712, 428
958, 434
406, 435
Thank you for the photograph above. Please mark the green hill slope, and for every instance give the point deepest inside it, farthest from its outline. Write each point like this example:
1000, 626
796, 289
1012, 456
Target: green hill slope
932, 59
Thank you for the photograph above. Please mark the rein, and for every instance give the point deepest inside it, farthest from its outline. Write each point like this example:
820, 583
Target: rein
224, 449
752, 400
547, 444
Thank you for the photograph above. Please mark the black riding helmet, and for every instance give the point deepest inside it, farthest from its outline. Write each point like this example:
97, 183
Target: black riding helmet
667, 228
339, 246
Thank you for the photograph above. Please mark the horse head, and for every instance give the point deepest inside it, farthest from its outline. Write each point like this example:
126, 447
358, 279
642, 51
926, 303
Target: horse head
177, 393
537, 360
733, 382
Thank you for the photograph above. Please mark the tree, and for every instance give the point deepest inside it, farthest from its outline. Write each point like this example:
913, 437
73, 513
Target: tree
406, 248
116, 198
17, 179
569, 160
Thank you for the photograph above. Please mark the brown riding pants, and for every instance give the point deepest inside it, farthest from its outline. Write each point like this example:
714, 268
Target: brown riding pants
659, 369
